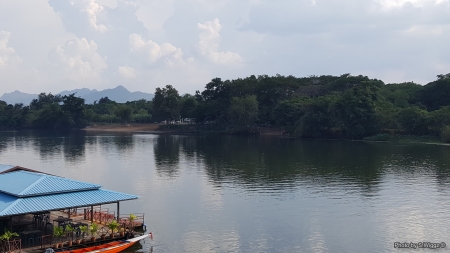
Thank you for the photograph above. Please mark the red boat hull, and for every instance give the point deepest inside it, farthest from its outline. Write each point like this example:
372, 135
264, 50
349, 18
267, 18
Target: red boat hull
111, 247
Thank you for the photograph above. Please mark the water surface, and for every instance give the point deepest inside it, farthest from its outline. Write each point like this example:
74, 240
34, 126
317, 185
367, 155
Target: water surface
257, 194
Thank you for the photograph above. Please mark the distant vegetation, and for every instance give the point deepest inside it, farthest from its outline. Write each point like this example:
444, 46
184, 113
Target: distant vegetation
350, 107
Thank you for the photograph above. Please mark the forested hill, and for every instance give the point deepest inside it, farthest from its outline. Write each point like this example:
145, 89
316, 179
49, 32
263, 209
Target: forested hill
351, 107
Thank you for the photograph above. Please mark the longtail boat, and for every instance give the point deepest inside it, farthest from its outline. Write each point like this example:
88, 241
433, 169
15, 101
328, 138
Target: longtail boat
111, 247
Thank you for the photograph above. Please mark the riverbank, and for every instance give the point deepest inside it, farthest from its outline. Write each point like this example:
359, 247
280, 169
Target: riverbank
151, 128
163, 128
122, 127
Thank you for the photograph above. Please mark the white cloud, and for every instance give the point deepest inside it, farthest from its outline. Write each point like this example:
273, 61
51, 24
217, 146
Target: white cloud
77, 60
390, 4
153, 52
92, 9
208, 44
143, 43
127, 72
7, 54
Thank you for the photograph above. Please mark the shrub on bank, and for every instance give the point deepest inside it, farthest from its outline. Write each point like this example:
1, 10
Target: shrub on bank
445, 134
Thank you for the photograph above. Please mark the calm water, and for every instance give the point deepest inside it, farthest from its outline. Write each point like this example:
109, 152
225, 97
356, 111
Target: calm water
257, 194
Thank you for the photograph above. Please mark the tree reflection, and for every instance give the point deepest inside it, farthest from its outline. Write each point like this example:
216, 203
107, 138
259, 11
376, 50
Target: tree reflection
48, 144
122, 141
74, 146
167, 155
278, 163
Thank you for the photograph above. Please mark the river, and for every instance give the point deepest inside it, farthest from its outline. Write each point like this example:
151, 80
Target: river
219, 193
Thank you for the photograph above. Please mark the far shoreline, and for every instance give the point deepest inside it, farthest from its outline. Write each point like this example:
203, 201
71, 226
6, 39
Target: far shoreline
155, 129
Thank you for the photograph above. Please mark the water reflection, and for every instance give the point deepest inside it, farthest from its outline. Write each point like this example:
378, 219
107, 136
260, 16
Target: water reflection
258, 194
166, 150
282, 163
74, 146
277, 163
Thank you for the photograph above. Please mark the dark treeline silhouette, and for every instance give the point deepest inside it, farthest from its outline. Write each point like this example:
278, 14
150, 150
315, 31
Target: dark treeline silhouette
346, 106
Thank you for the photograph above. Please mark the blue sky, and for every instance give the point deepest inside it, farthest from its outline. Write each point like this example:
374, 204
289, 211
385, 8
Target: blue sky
51, 46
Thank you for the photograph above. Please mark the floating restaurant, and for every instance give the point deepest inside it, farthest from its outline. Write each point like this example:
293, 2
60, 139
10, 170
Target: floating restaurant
39, 210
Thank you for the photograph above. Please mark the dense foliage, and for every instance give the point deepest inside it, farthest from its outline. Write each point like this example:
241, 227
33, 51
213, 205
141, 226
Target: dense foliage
351, 107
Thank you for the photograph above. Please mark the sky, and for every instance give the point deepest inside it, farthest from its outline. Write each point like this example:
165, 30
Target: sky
56, 45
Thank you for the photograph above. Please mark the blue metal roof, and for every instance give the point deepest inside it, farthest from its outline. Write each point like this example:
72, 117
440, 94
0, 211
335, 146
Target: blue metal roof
4, 167
12, 205
24, 184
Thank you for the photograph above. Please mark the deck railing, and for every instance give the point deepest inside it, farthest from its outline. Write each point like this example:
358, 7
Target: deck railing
10, 246
125, 222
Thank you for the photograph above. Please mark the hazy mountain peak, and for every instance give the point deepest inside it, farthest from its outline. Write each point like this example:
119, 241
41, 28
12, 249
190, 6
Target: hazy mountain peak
119, 94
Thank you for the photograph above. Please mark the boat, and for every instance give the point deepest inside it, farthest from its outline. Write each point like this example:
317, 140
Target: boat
111, 247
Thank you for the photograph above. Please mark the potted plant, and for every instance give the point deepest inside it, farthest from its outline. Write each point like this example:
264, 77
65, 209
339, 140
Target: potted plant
113, 225
122, 232
7, 236
92, 230
84, 231
131, 219
58, 232
69, 232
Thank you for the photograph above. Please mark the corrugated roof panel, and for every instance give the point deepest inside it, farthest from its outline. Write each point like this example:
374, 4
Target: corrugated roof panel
59, 201
53, 184
6, 200
4, 167
25, 183
15, 182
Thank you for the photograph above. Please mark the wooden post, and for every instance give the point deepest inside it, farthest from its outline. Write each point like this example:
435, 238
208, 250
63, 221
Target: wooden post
92, 214
118, 211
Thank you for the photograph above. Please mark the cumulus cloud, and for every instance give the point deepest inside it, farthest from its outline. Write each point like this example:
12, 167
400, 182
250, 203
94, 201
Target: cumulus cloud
393, 40
7, 54
92, 9
152, 52
208, 44
78, 60
127, 72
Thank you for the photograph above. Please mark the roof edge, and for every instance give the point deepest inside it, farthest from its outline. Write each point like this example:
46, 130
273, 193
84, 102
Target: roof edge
18, 168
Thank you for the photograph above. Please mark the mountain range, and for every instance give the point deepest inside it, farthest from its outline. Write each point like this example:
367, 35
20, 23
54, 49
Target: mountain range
119, 94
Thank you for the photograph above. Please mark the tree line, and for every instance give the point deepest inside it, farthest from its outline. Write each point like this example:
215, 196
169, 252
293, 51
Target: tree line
346, 106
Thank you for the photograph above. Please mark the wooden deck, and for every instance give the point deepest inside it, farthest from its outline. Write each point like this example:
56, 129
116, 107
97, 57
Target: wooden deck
36, 235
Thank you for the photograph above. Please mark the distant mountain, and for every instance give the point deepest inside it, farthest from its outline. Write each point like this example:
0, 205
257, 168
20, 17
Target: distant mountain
119, 94
17, 97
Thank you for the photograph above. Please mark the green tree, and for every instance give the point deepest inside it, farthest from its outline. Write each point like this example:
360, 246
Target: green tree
287, 112
401, 94
243, 111
49, 117
317, 122
188, 106
124, 112
414, 120
166, 103
436, 94
44, 99
74, 111
439, 119
355, 110
142, 116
